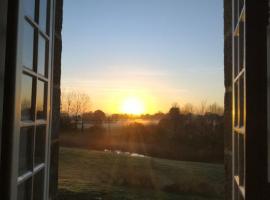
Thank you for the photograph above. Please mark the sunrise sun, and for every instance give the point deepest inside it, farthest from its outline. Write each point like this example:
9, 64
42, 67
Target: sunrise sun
132, 105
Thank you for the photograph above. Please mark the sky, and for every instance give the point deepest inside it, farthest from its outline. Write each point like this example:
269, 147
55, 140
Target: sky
158, 51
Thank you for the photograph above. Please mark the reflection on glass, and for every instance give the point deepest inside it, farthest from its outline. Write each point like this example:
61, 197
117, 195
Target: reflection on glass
43, 14
29, 8
241, 99
24, 190
38, 189
40, 100
26, 97
28, 45
26, 150
40, 141
41, 55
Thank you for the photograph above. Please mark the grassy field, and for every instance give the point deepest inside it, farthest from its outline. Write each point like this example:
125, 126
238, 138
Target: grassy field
97, 175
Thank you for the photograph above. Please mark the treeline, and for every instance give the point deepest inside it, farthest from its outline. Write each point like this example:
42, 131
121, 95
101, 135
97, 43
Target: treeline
179, 135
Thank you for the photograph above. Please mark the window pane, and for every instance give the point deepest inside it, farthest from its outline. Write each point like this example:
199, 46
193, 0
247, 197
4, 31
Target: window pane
236, 9
43, 14
26, 97
28, 45
236, 56
241, 159
26, 150
241, 103
40, 142
41, 55
29, 8
38, 189
53, 168
236, 192
241, 45
236, 154
41, 107
241, 6
236, 115
24, 190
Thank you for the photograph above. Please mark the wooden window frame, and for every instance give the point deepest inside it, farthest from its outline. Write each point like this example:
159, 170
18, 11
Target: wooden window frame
16, 123
3, 31
239, 93
256, 175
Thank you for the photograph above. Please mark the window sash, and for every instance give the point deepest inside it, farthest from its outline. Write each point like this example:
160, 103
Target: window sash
238, 100
46, 78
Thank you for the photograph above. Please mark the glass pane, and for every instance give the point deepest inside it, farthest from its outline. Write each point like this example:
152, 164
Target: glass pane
40, 142
28, 45
236, 109
236, 9
29, 8
41, 55
241, 45
43, 14
241, 159
41, 107
38, 189
236, 154
26, 150
242, 103
241, 6
53, 168
236, 56
24, 190
26, 97
236, 192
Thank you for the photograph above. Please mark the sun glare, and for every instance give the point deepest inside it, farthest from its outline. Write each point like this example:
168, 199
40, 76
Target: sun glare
133, 105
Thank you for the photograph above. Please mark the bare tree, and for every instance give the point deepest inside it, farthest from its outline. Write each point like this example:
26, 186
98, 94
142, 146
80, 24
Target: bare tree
80, 105
175, 105
67, 100
85, 107
202, 108
215, 108
75, 104
174, 116
188, 108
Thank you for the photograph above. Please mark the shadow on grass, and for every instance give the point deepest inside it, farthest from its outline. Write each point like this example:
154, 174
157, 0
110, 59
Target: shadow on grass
126, 194
87, 175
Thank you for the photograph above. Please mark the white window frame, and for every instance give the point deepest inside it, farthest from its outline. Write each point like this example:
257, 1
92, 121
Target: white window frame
17, 100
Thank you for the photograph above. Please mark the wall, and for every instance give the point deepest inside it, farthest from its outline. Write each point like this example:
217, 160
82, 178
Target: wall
56, 99
268, 89
3, 24
228, 97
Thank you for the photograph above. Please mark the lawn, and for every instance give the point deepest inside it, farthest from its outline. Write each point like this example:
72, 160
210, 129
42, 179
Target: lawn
97, 175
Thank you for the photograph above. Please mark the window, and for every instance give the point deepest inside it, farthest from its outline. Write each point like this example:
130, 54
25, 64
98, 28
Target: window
239, 99
26, 97
32, 127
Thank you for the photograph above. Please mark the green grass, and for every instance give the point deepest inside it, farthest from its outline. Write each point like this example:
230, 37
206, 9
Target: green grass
87, 175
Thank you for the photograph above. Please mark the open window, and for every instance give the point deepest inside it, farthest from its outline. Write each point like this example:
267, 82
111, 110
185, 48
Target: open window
239, 86
32, 101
